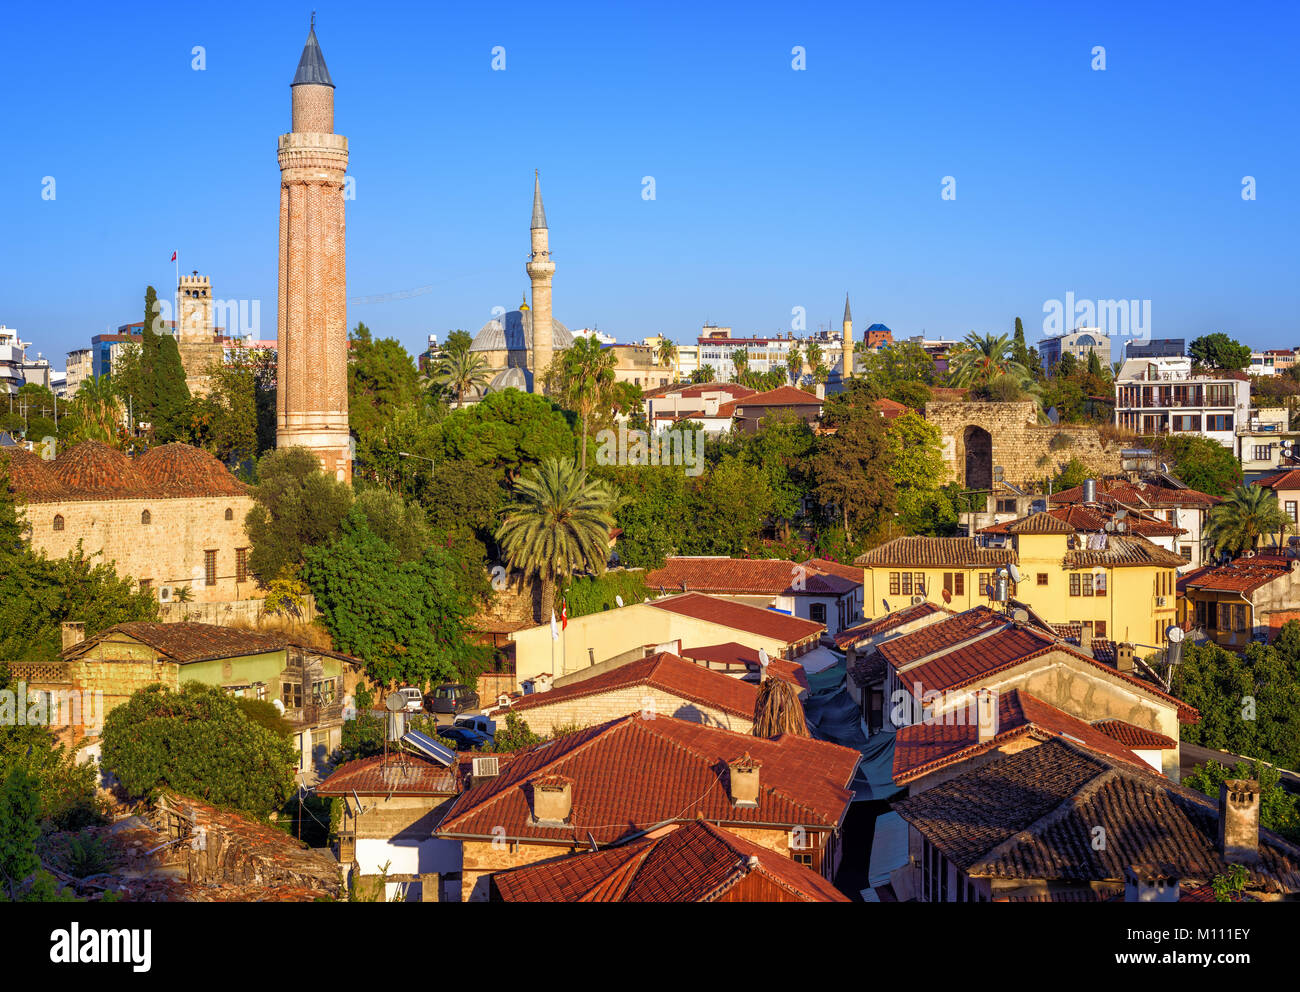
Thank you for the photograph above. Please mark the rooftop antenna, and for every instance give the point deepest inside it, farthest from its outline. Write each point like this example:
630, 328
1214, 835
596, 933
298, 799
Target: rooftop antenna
395, 703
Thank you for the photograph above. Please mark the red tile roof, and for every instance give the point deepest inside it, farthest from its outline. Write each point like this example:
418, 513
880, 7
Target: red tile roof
1122, 551
1134, 737
850, 636
1077, 517
738, 616
1137, 494
666, 672
782, 396
1241, 575
923, 551
851, 572
92, 470
733, 653
891, 409
634, 774
940, 636
697, 862
186, 642
411, 775
1290, 479
924, 748
759, 576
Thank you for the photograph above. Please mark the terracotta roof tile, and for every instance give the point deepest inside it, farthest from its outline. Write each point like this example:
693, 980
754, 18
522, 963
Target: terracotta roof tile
30, 476
738, 616
1134, 737
1122, 551
923, 551
781, 396
1137, 494
733, 653
92, 470
187, 642
411, 775
850, 636
184, 470
666, 672
697, 862
1241, 575
760, 576
633, 774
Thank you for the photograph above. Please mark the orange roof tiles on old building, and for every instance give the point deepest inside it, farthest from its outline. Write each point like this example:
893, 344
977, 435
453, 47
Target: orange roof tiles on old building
188, 642
634, 774
740, 576
407, 775
732, 653
1241, 575
1288, 479
851, 572
1135, 737
934, 551
738, 616
1137, 494
666, 672
924, 748
850, 636
1122, 551
782, 396
184, 470
697, 862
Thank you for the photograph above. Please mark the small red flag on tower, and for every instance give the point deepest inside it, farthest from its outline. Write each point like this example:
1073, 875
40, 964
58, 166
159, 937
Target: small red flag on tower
173, 258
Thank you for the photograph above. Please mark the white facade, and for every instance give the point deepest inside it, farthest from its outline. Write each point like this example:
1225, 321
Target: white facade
1162, 396
13, 352
716, 346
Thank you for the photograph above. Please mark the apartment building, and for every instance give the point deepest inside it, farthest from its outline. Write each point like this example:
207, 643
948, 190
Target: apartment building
1273, 361
1081, 343
1164, 396
13, 353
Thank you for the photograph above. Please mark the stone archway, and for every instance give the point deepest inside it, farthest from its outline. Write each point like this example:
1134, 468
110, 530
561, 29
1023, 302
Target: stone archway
979, 457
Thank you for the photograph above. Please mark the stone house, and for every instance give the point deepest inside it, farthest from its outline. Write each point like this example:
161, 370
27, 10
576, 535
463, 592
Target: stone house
313, 686
619, 781
661, 684
171, 519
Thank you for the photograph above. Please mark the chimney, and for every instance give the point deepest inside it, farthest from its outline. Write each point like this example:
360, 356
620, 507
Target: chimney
742, 780
1124, 657
1150, 883
73, 633
986, 715
1085, 638
1239, 820
552, 799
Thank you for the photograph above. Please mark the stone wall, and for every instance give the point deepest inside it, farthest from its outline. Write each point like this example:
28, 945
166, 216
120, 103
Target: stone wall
1025, 450
168, 551
588, 711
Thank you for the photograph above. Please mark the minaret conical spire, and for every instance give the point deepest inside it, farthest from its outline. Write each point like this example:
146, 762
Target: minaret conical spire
848, 315
539, 212
311, 67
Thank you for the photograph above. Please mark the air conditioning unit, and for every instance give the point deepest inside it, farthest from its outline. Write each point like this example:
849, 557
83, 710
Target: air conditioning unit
164, 594
486, 767
918, 600
1160, 600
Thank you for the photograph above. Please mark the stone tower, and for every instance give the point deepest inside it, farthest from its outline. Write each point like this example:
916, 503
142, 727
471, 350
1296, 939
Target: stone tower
196, 334
848, 339
540, 269
312, 332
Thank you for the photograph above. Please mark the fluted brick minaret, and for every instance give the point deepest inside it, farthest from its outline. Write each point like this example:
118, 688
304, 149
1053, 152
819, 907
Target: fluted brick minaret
540, 269
312, 371
848, 339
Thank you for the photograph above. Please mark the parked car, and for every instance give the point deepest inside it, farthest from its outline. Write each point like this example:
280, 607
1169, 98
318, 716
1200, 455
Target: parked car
414, 699
451, 697
478, 722
464, 738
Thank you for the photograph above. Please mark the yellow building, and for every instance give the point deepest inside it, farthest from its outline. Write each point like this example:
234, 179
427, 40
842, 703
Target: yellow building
1119, 587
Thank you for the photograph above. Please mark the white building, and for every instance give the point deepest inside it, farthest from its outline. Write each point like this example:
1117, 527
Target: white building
1162, 396
1080, 343
716, 346
1274, 361
13, 357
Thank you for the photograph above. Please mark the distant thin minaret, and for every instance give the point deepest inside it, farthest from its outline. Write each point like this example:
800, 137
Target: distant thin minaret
848, 339
540, 270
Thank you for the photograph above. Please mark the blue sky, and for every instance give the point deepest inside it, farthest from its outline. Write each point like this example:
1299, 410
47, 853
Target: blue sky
775, 188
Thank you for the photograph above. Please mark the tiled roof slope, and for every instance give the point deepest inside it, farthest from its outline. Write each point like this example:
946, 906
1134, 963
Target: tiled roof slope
1033, 815
189, 642
758, 576
1241, 575
735, 653
664, 671
923, 551
1135, 737
698, 862
1124, 550
92, 471
411, 775
1137, 494
851, 572
738, 616
924, 748
881, 625
940, 636
633, 774
1079, 518
781, 396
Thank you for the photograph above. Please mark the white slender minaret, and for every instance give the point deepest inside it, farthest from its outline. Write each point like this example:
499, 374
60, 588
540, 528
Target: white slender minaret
540, 269
848, 339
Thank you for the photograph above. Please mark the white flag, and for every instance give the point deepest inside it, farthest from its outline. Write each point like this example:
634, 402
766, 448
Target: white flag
555, 631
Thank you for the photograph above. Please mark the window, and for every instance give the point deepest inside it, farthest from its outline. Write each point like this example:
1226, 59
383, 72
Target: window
1099, 628
817, 612
1218, 421
146, 518
918, 580
1225, 619
986, 580
241, 564
1006, 506
894, 588
906, 589
954, 583
1200, 614
1239, 617
1186, 551
209, 568
230, 514
804, 858
1290, 511
1042, 578
58, 520
1099, 584
1184, 423
291, 695
1074, 584
1263, 452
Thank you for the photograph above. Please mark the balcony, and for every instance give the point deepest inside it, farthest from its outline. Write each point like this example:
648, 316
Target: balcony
315, 715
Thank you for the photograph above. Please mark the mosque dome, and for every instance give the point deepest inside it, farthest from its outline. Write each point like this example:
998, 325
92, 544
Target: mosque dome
514, 332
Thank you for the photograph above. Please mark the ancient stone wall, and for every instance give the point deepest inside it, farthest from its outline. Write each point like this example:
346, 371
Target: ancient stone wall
977, 438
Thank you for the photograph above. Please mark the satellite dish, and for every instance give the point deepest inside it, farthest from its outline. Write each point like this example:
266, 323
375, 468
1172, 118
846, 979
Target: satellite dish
947, 596
1014, 573
618, 600
1175, 634
886, 602
279, 706
762, 658
395, 702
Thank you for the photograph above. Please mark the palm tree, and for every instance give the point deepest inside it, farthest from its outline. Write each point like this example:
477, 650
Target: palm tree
777, 710
98, 410
739, 359
667, 353
557, 525
705, 373
460, 371
795, 360
586, 380
813, 355
1245, 515
821, 373
982, 359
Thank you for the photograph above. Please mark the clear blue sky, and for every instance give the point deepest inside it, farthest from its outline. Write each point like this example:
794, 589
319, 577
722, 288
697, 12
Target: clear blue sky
775, 188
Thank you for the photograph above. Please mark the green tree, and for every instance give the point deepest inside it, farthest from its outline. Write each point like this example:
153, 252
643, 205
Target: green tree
794, 363
556, 526
667, 354
1279, 810
982, 359
704, 374
224, 422
728, 509
1200, 462
917, 468
1245, 515
459, 372
95, 414
405, 617
652, 511
740, 361
1218, 351
584, 382
382, 379
851, 467
296, 505
200, 743
508, 431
